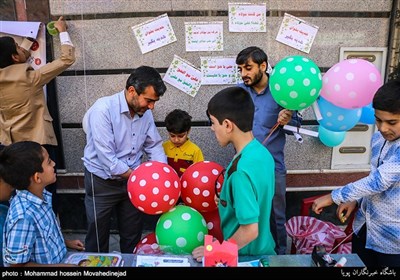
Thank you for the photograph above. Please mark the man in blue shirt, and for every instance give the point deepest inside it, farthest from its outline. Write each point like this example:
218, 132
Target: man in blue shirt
376, 224
120, 130
253, 64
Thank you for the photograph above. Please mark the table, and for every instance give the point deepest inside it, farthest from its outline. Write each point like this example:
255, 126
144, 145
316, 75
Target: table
129, 260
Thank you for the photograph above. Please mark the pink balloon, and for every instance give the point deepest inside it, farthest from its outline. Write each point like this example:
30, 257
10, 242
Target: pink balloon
351, 83
154, 187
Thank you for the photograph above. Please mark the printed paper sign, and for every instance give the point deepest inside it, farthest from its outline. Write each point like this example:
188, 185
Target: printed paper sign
204, 36
219, 70
184, 76
297, 33
154, 33
156, 261
245, 17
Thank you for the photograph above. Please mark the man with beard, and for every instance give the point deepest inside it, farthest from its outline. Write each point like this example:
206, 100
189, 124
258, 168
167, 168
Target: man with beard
120, 130
253, 65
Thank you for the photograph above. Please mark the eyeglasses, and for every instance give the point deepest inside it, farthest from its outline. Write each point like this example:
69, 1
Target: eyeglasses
217, 184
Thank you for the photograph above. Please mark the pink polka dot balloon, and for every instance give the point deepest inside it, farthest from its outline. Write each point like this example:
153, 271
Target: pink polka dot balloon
154, 187
148, 245
351, 83
199, 182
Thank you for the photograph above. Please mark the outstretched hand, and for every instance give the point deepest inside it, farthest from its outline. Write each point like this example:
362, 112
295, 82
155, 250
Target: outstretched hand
75, 244
322, 202
344, 210
60, 24
198, 253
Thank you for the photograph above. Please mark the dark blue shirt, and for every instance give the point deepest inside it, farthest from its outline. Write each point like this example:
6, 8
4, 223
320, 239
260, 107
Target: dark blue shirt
265, 117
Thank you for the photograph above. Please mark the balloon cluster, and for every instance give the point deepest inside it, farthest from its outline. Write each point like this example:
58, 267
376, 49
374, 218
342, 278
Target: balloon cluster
343, 96
154, 188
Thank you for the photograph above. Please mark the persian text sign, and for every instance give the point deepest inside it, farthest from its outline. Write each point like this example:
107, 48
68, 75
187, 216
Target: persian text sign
204, 36
154, 33
297, 33
219, 70
184, 76
247, 17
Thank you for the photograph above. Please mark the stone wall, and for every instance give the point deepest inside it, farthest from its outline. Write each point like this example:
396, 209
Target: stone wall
107, 50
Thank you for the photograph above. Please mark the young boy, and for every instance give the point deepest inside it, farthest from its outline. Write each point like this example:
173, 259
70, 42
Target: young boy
376, 225
32, 236
5, 190
180, 151
246, 197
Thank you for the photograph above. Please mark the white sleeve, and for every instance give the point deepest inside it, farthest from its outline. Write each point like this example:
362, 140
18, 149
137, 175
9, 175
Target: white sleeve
65, 39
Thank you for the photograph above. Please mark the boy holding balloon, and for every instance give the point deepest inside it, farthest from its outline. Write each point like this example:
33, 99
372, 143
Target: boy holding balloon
376, 225
269, 119
245, 200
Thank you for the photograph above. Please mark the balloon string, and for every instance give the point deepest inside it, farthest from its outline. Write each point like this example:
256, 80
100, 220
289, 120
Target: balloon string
270, 132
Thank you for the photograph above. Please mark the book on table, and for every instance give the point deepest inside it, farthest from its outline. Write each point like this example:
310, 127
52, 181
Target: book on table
95, 259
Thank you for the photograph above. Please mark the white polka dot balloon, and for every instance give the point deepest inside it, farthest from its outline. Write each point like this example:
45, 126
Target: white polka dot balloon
181, 230
336, 118
148, 245
154, 187
214, 224
295, 82
199, 183
351, 83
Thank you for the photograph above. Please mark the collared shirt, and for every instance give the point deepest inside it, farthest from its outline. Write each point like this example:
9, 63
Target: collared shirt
180, 158
246, 197
116, 141
378, 197
265, 117
31, 232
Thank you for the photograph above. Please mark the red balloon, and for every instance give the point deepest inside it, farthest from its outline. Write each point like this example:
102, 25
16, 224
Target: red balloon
200, 182
154, 187
148, 245
214, 224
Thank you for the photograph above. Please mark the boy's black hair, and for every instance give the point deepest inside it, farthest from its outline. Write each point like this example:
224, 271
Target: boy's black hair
255, 53
145, 76
178, 121
19, 162
7, 49
234, 104
387, 97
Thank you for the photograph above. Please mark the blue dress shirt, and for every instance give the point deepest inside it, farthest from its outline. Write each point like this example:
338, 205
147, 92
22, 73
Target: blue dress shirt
116, 141
378, 197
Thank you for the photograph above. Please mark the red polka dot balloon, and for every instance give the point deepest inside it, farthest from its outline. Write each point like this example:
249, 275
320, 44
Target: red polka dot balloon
154, 187
148, 245
199, 183
214, 224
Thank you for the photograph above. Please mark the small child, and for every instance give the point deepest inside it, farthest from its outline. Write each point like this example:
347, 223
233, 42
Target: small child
180, 151
31, 235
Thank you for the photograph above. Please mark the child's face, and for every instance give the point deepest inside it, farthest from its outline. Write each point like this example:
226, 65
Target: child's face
388, 124
48, 176
178, 139
219, 130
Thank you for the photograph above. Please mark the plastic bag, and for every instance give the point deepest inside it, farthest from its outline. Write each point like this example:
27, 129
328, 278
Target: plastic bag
307, 232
